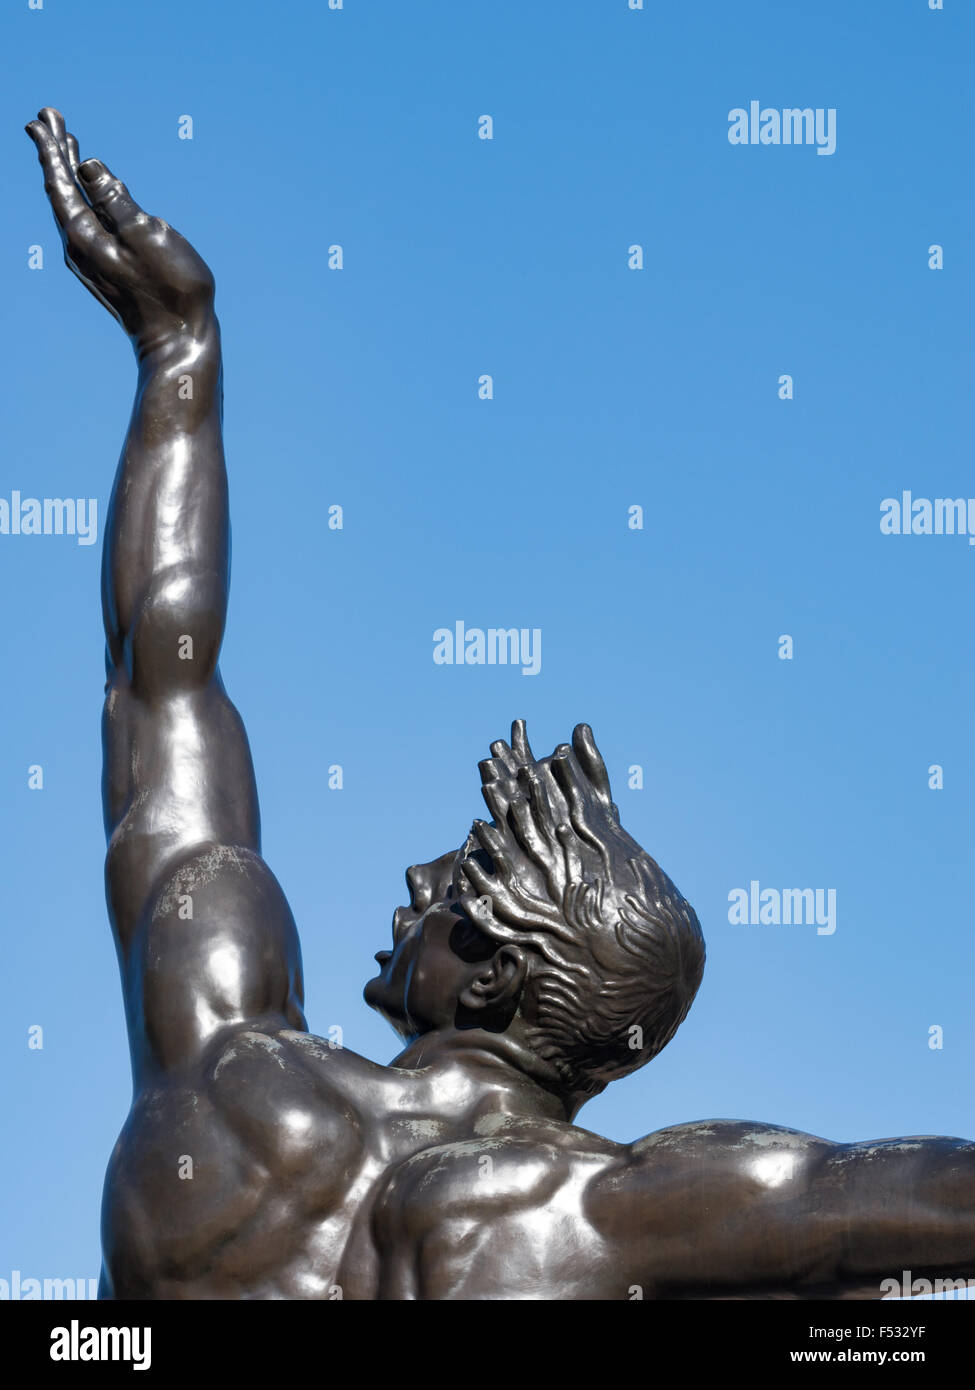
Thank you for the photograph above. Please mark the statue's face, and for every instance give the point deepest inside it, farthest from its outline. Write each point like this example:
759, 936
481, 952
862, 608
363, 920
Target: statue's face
434, 953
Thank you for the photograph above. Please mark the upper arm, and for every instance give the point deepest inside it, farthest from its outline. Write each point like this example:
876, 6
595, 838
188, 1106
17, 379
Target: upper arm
216, 948
719, 1205
177, 773
206, 938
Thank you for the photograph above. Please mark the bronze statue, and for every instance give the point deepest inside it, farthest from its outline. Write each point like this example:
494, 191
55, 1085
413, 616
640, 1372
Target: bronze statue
544, 958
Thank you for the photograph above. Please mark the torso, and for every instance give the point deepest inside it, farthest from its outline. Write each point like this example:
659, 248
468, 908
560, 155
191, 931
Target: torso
288, 1168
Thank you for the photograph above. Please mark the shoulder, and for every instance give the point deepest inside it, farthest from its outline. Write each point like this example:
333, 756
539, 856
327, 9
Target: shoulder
500, 1214
227, 1162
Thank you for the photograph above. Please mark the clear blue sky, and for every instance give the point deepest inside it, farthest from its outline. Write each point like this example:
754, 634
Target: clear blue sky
612, 388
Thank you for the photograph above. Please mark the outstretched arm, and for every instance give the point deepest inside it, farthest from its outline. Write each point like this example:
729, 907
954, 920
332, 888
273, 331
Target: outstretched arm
180, 801
734, 1209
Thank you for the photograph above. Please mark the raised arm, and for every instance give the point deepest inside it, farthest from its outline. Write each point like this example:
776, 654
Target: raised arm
204, 934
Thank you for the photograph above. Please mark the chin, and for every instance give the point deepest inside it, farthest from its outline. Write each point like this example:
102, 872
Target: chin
377, 996
373, 992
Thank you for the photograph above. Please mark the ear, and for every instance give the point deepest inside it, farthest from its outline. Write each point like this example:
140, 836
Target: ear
497, 983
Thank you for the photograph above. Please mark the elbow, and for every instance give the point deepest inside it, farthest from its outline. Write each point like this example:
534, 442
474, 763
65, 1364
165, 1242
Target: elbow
174, 642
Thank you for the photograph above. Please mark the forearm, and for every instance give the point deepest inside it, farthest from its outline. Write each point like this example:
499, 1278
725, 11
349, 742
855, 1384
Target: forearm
166, 555
910, 1205
776, 1209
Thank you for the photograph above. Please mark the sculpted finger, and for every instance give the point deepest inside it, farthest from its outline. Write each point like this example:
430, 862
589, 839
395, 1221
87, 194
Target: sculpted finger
74, 158
59, 185
54, 121
108, 195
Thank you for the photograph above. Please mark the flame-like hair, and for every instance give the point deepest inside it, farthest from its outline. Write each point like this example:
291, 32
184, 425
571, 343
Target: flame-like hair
616, 953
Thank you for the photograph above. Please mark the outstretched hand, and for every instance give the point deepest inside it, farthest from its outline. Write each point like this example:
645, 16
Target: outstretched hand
143, 271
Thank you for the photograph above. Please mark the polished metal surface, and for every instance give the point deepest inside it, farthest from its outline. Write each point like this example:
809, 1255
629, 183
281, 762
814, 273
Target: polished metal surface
544, 958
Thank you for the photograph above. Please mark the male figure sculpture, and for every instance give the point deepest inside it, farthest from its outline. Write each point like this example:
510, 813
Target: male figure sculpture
546, 957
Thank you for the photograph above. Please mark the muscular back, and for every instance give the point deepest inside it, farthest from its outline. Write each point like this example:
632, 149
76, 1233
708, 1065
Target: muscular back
282, 1167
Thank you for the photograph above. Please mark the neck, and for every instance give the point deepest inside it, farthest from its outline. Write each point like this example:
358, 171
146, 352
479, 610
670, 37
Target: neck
502, 1073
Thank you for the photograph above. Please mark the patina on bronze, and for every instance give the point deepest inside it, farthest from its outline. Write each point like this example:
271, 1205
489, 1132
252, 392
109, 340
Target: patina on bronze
541, 960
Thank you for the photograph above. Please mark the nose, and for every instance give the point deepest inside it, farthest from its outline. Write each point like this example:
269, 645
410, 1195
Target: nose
381, 957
